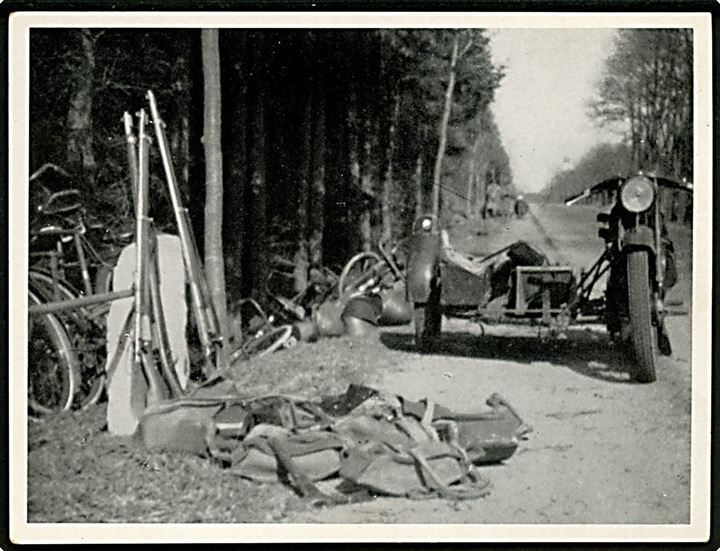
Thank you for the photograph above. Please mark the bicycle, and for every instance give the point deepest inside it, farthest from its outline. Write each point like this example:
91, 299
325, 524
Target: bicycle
72, 345
85, 329
53, 366
265, 337
367, 270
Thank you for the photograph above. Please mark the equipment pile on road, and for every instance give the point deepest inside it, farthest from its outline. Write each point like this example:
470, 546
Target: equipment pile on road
374, 443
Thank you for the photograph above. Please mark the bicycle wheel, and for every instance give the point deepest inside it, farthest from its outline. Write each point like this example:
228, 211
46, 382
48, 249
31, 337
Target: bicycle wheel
359, 270
269, 342
86, 334
53, 366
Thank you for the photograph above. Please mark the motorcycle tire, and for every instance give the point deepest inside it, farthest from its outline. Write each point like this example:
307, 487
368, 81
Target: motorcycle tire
643, 334
53, 366
427, 319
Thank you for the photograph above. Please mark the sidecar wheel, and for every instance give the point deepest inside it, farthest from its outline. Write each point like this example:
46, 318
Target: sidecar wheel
643, 335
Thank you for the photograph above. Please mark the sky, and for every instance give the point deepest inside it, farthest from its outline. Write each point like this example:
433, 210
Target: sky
541, 105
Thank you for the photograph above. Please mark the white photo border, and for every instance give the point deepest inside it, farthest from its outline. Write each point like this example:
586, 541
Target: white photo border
21, 531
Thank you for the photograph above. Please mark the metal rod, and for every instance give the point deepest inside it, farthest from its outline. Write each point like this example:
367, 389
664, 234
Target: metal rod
55, 271
85, 275
70, 304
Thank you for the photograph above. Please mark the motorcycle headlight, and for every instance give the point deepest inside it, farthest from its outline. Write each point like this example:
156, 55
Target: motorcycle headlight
426, 224
637, 194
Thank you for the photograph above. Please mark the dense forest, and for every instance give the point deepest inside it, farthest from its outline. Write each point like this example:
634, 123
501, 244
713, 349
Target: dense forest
645, 95
331, 139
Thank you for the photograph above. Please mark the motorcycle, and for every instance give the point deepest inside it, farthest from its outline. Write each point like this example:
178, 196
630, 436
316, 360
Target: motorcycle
642, 266
517, 284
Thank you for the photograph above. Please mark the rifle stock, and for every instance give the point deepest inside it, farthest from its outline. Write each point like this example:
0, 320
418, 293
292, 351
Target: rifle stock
159, 328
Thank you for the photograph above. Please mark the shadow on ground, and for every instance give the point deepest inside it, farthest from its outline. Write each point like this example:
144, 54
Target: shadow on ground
587, 353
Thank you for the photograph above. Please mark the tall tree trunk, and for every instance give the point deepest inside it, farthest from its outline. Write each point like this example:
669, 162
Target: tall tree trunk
442, 141
302, 254
472, 178
366, 185
317, 189
387, 189
236, 128
417, 178
80, 151
479, 206
354, 151
181, 77
258, 185
366, 162
214, 261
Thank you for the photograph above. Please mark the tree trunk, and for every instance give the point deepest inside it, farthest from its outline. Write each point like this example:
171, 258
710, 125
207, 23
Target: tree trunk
472, 178
442, 141
317, 189
354, 153
479, 207
419, 207
236, 128
180, 134
214, 261
302, 254
80, 151
367, 188
258, 185
366, 164
387, 189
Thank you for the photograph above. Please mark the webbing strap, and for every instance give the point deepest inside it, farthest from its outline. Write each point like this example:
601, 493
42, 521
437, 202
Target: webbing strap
428, 414
474, 486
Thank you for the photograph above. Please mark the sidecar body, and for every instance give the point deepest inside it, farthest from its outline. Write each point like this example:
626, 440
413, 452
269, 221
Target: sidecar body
515, 283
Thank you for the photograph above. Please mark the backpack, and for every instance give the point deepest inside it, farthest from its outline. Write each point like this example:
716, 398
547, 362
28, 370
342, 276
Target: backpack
378, 443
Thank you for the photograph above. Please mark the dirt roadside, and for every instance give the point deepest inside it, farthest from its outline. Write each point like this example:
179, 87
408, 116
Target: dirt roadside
603, 450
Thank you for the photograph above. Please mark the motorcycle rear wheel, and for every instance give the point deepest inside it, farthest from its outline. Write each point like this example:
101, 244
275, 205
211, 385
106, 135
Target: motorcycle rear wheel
643, 334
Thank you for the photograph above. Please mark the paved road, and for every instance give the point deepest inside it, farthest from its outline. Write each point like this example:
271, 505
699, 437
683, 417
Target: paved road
603, 450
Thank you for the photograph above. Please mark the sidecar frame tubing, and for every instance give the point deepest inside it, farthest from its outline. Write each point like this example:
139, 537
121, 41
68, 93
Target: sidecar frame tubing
576, 311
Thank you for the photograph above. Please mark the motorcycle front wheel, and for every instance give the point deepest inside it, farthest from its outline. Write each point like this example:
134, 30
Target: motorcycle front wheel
427, 319
643, 335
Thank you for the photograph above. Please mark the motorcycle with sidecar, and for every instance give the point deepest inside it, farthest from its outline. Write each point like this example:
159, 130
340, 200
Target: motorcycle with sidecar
518, 284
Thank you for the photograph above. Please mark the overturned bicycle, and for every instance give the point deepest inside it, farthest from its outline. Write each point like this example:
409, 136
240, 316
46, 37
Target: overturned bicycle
517, 284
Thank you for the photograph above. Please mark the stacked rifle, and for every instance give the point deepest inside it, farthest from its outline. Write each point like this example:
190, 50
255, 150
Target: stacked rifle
151, 352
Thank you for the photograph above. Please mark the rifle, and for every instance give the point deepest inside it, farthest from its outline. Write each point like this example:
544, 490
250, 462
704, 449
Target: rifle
159, 329
203, 309
132, 154
142, 358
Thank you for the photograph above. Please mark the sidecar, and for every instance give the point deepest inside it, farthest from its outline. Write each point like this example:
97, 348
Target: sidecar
515, 284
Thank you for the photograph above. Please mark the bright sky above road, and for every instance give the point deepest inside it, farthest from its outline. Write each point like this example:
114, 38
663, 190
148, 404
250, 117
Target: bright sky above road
541, 105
